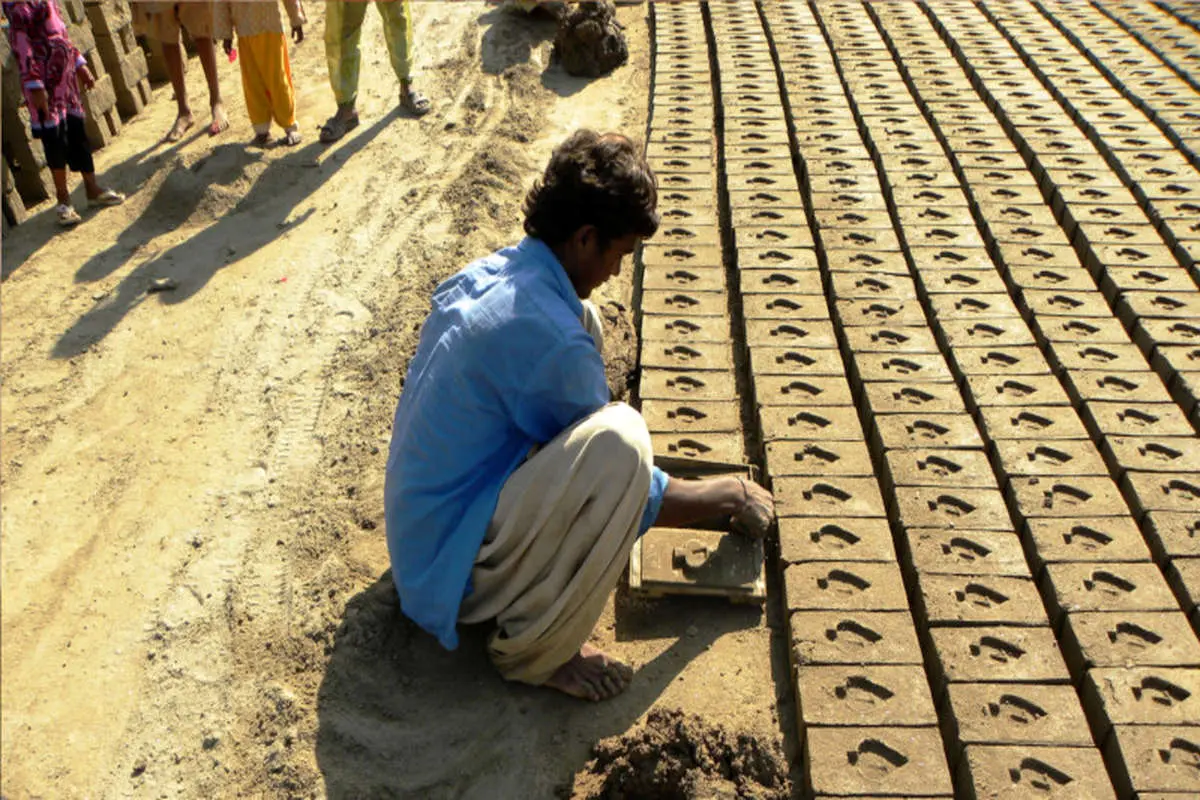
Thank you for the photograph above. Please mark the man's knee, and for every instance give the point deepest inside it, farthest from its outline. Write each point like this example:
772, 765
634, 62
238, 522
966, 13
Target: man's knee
618, 430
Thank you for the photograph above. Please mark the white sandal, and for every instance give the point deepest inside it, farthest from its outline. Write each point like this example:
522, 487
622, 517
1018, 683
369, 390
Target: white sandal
68, 217
108, 197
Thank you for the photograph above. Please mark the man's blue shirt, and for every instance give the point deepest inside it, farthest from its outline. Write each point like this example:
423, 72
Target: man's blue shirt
504, 363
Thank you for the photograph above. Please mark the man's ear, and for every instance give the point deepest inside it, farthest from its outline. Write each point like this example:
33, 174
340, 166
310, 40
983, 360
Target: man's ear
587, 237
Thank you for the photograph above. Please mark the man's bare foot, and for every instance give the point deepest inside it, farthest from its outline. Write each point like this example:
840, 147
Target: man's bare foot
182, 124
219, 121
591, 675
261, 140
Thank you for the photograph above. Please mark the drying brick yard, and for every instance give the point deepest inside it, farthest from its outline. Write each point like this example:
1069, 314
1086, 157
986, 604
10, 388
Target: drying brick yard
931, 268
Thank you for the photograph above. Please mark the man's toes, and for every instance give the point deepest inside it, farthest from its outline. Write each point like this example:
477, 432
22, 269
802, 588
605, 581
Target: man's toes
612, 685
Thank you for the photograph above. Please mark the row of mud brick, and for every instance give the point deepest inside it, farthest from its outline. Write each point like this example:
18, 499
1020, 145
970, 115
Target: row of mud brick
951, 358
102, 31
1164, 30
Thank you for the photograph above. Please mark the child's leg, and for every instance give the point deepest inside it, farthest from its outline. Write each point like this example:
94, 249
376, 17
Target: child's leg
254, 82
54, 143
283, 93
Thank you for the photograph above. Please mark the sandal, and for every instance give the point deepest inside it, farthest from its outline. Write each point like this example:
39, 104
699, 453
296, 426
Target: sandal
261, 140
336, 127
414, 103
290, 138
68, 217
106, 198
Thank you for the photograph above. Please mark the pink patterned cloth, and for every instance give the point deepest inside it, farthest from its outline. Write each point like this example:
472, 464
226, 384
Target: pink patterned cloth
46, 59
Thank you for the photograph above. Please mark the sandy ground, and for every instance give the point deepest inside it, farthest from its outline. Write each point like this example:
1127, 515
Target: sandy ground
193, 591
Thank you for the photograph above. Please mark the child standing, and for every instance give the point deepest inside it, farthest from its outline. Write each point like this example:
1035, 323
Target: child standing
53, 74
266, 69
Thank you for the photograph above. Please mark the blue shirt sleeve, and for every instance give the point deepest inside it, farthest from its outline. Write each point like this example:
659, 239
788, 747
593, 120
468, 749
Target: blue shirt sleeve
658, 488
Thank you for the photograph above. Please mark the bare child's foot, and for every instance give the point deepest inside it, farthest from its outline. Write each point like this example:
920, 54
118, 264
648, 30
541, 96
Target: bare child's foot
219, 121
591, 675
291, 137
261, 140
183, 123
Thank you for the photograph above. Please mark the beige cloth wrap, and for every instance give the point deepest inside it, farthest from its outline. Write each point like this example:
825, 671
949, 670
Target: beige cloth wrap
560, 538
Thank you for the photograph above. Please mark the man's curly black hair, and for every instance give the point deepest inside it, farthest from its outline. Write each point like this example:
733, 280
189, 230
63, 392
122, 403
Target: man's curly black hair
593, 179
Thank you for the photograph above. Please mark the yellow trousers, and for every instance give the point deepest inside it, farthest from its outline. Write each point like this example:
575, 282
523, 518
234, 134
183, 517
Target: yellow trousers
267, 81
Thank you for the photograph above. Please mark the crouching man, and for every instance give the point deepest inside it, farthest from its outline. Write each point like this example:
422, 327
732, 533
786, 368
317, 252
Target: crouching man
515, 489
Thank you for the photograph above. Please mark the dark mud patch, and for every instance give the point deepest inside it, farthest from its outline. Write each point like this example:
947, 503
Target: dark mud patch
674, 756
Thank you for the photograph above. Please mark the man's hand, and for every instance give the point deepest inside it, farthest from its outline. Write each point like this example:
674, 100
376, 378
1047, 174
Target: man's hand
757, 512
40, 101
298, 34
86, 80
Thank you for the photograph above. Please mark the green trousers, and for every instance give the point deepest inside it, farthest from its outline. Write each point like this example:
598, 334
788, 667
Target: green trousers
343, 30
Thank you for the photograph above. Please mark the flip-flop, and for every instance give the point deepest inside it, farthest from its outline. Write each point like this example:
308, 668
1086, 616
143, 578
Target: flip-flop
217, 127
178, 130
335, 128
106, 198
415, 103
67, 216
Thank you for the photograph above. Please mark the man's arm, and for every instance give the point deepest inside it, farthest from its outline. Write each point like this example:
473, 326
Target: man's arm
688, 502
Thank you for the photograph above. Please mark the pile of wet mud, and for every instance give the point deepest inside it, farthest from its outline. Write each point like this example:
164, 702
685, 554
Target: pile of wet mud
673, 756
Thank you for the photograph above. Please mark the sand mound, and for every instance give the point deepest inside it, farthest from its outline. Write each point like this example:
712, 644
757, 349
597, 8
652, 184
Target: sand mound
590, 41
678, 757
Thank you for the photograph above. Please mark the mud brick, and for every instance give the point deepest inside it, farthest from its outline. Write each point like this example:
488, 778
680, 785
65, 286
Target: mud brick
1014, 391
689, 236
944, 197
914, 396
696, 356
1064, 303
844, 586
691, 417
864, 262
865, 220
701, 152
1173, 534
1146, 759
785, 237
763, 182
878, 311
661, 384
1153, 454
1165, 191
682, 115
853, 637
1028, 194
975, 176
936, 467
1171, 359
1000, 361
1070, 497
1185, 390
796, 361
1141, 696
957, 508
997, 332
933, 551
721, 446
1139, 233
917, 217
1048, 458
765, 198
861, 184
1162, 491
903, 431
690, 303
875, 367
777, 258
1060, 258
1008, 772
854, 695
976, 600
1003, 713
784, 306
839, 165
1135, 419
1105, 587
1084, 539
1081, 330
686, 181
876, 240
943, 236
890, 339
955, 281
847, 539
870, 762
1105, 256
805, 333
1010, 160
802, 390
1150, 333
827, 497
1184, 576
700, 279
1066, 195
972, 305
681, 255
681, 134
754, 216
1134, 305
686, 216
887, 288
1069, 357
682, 328
839, 201
924, 179
1128, 638
996, 654
818, 458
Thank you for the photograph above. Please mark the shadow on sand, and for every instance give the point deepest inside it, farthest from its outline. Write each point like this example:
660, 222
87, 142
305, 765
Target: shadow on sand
399, 716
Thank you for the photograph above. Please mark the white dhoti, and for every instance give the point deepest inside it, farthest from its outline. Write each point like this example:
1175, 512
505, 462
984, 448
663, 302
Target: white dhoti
559, 539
